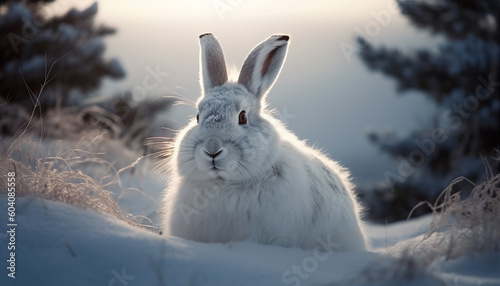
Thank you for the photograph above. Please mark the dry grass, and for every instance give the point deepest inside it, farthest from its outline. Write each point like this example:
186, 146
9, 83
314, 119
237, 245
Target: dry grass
57, 177
77, 176
461, 227
465, 226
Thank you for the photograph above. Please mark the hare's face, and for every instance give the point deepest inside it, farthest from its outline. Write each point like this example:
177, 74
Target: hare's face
230, 140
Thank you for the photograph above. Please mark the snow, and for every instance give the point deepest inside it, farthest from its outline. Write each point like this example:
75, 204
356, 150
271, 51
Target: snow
386, 236
58, 244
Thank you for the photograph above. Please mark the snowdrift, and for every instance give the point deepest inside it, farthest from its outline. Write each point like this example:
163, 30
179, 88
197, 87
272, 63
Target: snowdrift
73, 229
58, 244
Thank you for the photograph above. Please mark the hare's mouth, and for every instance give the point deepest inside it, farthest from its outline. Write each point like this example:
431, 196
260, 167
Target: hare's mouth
213, 162
217, 174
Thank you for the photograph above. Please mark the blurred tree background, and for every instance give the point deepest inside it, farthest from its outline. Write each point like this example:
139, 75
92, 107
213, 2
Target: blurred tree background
461, 77
51, 64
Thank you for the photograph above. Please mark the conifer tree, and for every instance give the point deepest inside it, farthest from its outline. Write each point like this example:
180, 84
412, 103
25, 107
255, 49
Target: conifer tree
461, 78
32, 41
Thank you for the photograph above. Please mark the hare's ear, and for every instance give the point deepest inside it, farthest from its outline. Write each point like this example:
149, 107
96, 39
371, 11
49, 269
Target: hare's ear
262, 66
213, 70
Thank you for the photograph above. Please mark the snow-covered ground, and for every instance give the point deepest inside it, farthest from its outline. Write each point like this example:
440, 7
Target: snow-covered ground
58, 244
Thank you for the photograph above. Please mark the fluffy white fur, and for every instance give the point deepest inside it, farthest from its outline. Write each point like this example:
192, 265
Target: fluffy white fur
256, 181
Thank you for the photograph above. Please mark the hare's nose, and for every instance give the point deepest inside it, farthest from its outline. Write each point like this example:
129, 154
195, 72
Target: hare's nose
213, 147
213, 155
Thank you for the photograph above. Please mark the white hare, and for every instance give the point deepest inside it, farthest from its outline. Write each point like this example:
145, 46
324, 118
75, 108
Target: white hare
236, 173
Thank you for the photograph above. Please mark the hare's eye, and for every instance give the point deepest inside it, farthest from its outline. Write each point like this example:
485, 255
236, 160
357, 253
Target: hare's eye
243, 117
198, 118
